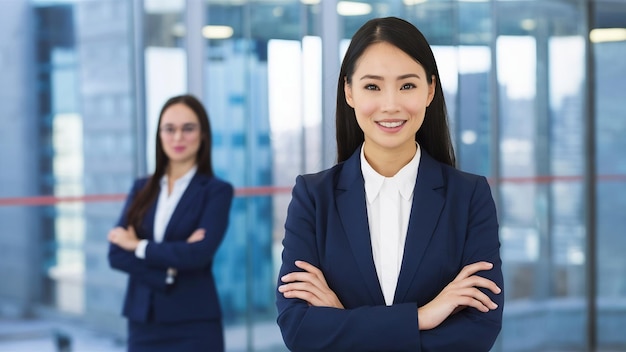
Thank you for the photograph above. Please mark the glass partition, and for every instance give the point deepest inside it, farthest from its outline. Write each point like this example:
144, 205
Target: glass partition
540, 56
262, 89
608, 41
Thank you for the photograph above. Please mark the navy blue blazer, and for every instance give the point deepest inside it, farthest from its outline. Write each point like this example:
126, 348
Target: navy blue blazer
453, 223
205, 204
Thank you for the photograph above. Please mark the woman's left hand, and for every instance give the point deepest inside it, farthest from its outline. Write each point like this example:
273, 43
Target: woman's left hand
127, 239
309, 285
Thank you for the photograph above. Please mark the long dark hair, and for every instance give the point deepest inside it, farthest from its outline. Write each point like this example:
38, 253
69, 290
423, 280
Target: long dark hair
148, 194
434, 134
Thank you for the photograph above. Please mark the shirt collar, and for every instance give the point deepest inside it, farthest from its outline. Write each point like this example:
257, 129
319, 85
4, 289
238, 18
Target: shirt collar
183, 180
404, 178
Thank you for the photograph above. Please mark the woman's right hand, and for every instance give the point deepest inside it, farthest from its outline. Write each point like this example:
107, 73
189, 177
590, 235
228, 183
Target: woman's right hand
125, 238
310, 286
459, 294
196, 236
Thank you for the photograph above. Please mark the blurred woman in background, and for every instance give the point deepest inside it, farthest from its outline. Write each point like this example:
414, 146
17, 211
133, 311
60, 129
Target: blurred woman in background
166, 238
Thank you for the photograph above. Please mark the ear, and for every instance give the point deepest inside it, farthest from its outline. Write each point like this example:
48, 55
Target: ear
431, 90
347, 90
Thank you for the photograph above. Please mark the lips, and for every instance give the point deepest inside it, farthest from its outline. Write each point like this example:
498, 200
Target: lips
391, 124
179, 149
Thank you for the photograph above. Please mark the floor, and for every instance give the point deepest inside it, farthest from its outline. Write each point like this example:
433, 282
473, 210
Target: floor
42, 335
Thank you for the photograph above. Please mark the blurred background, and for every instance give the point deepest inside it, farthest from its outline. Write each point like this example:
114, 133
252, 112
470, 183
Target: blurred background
536, 92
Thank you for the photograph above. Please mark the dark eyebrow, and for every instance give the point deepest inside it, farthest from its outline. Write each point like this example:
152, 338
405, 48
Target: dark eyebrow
184, 124
408, 75
371, 77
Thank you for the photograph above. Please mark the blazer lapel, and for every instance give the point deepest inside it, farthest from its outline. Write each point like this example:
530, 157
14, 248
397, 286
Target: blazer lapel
351, 206
428, 203
186, 201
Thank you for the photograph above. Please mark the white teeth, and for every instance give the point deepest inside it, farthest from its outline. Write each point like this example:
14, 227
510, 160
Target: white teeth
390, 124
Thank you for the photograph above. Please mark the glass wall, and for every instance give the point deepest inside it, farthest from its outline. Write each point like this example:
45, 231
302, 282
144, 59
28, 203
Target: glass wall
540, 56
534, 91
608, 42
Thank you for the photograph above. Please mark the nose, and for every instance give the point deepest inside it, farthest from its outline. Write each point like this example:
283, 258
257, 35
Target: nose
178, 134
390, 101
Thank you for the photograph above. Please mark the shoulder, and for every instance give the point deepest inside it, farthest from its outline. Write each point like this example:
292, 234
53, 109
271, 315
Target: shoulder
467, 185
342, 175
213, 183
141, 181
324, 186
139, 184
323, 176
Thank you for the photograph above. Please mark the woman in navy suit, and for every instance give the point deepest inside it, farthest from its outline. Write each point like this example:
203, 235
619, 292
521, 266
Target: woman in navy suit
171, 226
393, 248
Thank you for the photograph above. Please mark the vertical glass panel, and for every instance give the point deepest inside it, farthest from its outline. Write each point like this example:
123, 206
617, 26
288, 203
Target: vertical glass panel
21, 238
65, 100
540, 70
608, 38
165, 62
67, 75
56, 68
69, 265
473, 114
62, 158
262, 88
104, 37
566, 79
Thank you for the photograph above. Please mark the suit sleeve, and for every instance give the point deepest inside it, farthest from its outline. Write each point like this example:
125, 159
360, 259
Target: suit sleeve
472, 330
192, 256
126, 261
305, 328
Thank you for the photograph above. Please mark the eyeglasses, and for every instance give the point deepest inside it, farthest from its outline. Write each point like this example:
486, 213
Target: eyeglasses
187, 129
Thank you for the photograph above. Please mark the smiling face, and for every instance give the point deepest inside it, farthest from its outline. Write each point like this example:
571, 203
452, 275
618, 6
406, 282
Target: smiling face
389, 92
179, 131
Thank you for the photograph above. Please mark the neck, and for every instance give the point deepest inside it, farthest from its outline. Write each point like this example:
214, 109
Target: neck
388, 162
178, 170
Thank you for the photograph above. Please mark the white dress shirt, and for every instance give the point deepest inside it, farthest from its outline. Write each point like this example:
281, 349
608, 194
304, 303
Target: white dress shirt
389, 201
166, 204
